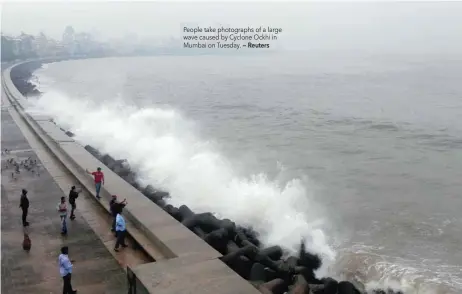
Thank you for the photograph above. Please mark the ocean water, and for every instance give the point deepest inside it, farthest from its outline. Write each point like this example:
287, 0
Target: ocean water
359, 154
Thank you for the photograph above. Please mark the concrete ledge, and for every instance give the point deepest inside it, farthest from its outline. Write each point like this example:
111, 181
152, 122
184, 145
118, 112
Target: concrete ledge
54, 132
183, 276
40, 117
191, 265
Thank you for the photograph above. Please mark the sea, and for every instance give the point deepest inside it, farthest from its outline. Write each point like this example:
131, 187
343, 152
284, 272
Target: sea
359, 154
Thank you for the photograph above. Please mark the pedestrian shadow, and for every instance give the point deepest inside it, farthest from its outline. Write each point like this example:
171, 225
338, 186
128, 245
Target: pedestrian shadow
26, 243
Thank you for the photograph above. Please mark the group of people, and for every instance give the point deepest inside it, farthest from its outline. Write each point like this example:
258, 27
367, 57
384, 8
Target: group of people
63, 209
118, 223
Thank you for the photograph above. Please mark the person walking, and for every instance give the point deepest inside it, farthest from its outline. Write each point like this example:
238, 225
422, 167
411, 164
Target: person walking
99, 180
73, 194
62, 209
120, 229
114, 206
65, 270
24, 205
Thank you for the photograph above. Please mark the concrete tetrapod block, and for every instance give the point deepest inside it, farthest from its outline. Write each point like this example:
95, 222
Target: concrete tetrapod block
187, 276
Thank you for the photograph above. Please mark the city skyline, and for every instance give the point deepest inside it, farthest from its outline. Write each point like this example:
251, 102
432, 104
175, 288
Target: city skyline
74, 43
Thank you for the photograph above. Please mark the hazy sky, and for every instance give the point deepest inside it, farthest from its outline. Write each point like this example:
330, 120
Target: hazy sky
426, 26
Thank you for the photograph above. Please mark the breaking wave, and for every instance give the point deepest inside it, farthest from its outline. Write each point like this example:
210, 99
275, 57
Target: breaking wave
162, 146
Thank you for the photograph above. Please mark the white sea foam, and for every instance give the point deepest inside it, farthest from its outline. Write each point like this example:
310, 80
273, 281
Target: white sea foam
376, 271
166, 151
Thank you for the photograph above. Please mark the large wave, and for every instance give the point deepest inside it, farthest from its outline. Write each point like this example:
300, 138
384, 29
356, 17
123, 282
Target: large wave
166, 152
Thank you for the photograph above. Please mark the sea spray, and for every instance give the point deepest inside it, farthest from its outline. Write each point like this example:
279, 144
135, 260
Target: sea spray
161, 146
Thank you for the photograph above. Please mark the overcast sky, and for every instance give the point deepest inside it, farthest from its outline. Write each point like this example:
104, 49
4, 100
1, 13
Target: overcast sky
411, 26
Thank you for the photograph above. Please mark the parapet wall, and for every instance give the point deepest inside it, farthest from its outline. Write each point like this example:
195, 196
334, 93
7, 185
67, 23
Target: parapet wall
186, 264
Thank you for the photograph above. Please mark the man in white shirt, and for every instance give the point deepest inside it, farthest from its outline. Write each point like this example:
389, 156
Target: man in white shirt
120, 229
62, 209
65, 269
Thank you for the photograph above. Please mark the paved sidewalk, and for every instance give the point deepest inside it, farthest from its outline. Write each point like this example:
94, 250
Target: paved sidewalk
95, 269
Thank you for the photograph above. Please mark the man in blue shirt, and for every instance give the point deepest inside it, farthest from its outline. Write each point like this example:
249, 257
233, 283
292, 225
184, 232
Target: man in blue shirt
114, 210
120, 229
65, 269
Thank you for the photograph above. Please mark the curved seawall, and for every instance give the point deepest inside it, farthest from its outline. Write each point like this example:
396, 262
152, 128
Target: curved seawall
182, 255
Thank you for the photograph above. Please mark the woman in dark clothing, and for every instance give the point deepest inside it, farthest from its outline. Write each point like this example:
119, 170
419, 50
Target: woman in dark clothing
73, 194
24, 205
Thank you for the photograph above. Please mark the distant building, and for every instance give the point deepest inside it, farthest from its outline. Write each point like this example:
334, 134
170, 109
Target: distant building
42, 45
68, 40
26, 46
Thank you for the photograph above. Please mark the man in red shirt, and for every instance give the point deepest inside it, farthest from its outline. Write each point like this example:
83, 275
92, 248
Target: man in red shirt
99, 180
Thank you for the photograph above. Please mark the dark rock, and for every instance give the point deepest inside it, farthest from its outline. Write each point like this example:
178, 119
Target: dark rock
186, 213
317, 289
108, 160
347, 288
241, 260
70, 134
388, 291
273, 252
173, 211
330, 286
292, 261
307, 259
257, 273
230, 226
308, 274
93, 151
300, 286
276, 286
218, 239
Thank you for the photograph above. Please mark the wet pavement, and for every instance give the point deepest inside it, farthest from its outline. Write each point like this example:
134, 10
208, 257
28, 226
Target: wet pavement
95, 268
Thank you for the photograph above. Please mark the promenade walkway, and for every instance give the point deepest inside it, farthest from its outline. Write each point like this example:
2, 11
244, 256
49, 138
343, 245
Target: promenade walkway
97, 269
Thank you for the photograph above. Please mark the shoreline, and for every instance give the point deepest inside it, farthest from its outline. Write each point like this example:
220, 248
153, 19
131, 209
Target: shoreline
266, 270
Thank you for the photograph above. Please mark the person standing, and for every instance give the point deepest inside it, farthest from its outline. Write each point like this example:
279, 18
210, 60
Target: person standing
99, 180
73, 194
65, 269
62, 209
24, 205
114, 206
120, 229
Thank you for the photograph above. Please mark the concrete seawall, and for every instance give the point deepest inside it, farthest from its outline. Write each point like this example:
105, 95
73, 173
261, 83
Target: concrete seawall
184, 262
